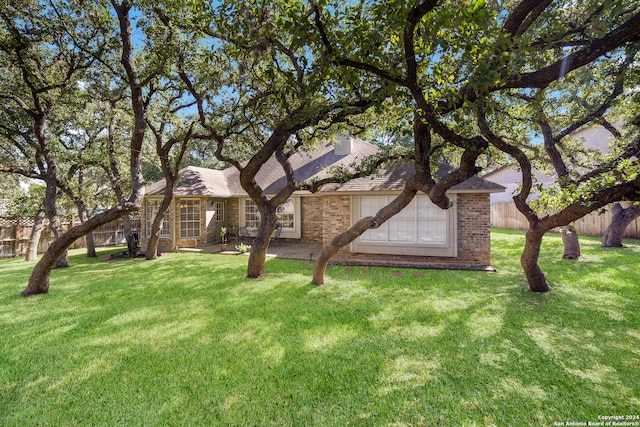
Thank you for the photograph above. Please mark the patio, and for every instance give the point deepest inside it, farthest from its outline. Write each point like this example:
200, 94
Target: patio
309, 251
281, 249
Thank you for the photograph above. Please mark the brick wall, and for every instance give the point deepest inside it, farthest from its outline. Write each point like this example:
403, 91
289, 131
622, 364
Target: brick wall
324, 217
336, 216
311, 219
474, 228
473, 237
165, 244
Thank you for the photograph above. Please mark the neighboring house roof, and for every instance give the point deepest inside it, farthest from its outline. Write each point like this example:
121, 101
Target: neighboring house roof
311, 165
594, 137
511, 179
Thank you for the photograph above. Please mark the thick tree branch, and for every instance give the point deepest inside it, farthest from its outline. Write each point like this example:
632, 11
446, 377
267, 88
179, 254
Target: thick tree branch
627, 32
523, 161
347, 62
524, 15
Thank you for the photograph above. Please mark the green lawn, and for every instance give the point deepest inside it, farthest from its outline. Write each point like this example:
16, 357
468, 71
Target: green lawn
188, 340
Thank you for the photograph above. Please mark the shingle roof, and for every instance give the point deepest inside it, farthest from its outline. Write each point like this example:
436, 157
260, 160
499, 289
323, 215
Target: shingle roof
194, 181
306, 165
393, 178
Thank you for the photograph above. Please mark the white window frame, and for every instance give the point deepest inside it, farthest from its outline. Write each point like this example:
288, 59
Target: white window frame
150, 214
190, 221
287, 232
251, 219
218, 207
379, 241
287, 208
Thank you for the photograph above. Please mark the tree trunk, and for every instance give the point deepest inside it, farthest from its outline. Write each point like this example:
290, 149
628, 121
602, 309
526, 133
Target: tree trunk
256, 267
621, 219
362, 225
337, 243
39, 280
529, 261
51, 210
127, 225
91, 245
133, 245
154, 239
36, 232
570, 242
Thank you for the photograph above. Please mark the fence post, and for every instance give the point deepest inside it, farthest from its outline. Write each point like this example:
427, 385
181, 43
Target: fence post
16, 239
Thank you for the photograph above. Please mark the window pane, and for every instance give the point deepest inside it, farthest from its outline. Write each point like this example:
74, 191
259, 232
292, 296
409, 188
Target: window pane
152, 208
402, 226
369, 206
285, 214
189, 219
421, 222
219, 211
432, 223
251, 214
402, 230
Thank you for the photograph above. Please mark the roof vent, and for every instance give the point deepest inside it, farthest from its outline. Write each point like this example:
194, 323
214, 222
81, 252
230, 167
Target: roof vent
344, 144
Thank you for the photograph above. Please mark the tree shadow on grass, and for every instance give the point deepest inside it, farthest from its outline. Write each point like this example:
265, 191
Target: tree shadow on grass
449, 348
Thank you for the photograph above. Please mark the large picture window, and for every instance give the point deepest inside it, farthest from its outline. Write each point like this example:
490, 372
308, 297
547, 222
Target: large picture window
189, 218
421, 228
151, 210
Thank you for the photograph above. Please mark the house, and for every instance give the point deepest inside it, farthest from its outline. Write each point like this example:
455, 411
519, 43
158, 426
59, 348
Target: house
594, 137
504, 213
421, 235
511, 179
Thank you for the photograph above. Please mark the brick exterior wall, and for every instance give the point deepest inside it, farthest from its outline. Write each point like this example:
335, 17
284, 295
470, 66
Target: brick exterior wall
473, 240
233, 214
311, 221
474, 228
336, 217
324, 217
166, 244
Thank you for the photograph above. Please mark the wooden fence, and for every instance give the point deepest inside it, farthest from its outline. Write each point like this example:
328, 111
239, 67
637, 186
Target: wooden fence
506, 215
15, 234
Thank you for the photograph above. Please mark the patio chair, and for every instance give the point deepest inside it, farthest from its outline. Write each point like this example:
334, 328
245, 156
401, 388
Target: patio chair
276, 235
244, 234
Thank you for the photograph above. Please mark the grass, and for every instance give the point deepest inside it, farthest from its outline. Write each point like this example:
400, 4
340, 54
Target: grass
188, 340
